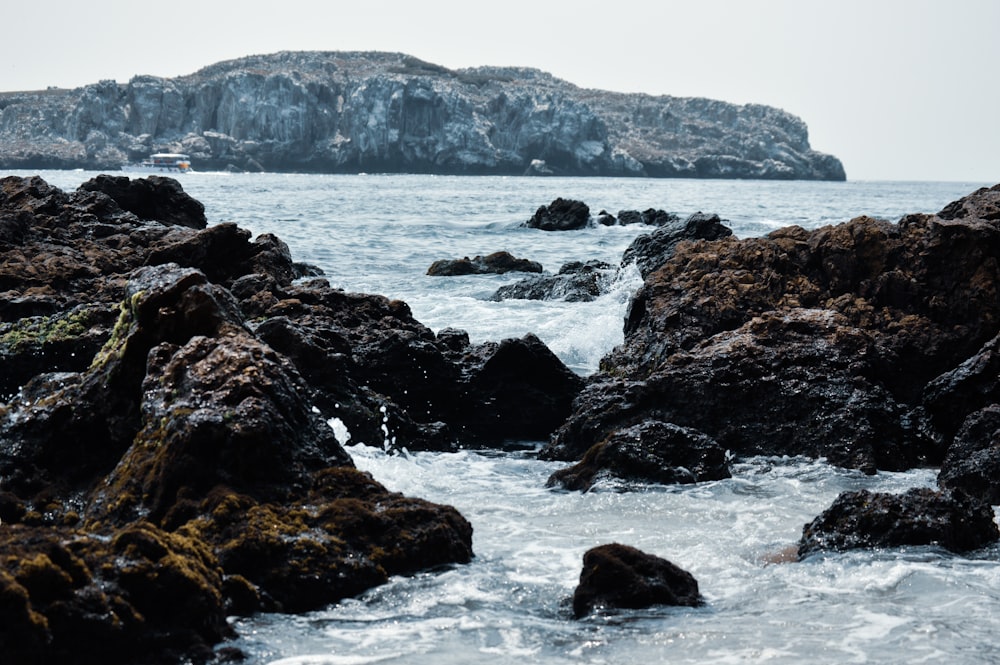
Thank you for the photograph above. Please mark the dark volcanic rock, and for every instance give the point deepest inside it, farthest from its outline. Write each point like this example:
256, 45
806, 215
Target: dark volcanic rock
135, 594
810, 342
652, 250
372, 363
560, 215
654, 452
973, 385
650, 217
520, 390
972, 464
575, 282
918, 517
780, 384
153, 198
497, 263
390, 112
619, 576
182, 468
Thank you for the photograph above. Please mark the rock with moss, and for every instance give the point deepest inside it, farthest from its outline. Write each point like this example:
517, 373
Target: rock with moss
135, 594
199, 423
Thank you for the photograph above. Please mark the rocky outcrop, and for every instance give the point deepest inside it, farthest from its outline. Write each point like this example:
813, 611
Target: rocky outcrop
922, 516
389, 112
651, 452
575, 282
619, 576
497, 263
172, 426
560, 215
153, 198
828, 343
651, 250
972, 464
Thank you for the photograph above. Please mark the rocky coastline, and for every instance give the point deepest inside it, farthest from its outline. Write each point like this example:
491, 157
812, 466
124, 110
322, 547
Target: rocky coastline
175, 402
176, 398
351, 112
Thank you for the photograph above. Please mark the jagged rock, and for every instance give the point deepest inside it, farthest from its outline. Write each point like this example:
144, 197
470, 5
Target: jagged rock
135, 594
519, 390
920, 516
428, 391
649, 217
390, 112
560, 215
972, 464
143, 490
619, 576
648, 252
973, 385
575, 282
793, 383
806, 342
497, 263
650, 452
153, 198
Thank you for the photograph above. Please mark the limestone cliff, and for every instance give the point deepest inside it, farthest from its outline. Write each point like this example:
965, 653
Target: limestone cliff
389, 112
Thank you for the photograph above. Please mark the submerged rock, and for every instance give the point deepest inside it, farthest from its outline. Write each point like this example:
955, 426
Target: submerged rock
619, 576
921, 516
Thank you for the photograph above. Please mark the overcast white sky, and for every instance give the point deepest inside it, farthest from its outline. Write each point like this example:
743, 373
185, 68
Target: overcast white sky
898, 89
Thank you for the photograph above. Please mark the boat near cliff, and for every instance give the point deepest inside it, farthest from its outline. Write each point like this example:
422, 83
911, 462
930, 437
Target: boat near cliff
162, 162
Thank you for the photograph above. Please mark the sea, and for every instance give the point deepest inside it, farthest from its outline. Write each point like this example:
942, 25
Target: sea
379, 234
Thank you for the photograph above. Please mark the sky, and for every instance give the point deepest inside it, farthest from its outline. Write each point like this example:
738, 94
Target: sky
897, 89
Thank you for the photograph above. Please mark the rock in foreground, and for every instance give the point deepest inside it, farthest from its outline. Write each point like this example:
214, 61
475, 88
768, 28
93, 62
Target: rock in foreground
619, 576
168, 436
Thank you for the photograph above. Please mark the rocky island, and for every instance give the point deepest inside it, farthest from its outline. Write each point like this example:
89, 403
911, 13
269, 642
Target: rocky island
349, 112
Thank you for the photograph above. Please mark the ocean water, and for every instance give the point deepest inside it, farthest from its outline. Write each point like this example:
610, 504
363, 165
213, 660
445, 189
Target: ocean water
379, 234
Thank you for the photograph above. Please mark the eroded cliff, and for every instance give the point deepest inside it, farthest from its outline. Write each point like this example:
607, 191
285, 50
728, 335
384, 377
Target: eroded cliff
390, 112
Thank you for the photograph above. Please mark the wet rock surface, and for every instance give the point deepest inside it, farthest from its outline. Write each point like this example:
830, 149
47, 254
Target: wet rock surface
648, 252
560, 215
923, 516
497, 263
167, 449
620, 576
575, 282
651, 452
828, 343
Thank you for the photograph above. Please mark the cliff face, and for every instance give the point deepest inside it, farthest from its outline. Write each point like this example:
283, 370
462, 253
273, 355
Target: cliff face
389, 112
